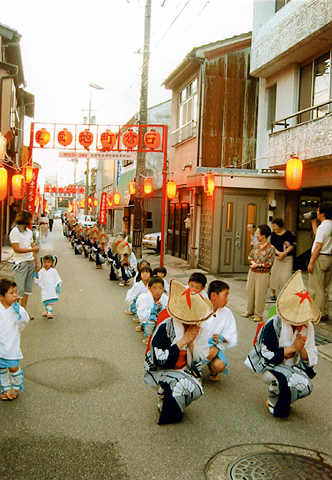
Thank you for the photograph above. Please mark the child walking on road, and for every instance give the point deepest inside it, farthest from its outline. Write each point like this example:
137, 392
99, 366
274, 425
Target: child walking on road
13, 319
49, 281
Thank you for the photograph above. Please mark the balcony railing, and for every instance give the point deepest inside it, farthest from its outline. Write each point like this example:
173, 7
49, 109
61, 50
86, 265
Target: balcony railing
185, 132
304, 116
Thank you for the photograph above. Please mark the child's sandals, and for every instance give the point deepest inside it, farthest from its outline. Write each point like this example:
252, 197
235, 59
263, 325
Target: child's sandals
44, 314
213, 375
8, 395
139, 328
50, 315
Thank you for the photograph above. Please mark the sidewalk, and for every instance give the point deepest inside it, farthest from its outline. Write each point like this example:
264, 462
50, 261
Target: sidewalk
179, 269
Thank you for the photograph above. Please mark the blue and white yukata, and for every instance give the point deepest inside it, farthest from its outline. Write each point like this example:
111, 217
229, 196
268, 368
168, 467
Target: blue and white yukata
181, 385
133, 294
222, 323
148, 311
288, 378
13, 320
49, 282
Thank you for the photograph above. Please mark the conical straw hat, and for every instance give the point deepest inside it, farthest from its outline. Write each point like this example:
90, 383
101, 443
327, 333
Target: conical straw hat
294, 304
102, 237
118, 239
95, 229
124, 248
187, 305
79, 228
87, 231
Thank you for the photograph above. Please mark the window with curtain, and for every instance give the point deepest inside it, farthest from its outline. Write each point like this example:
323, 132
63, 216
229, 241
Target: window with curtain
315, 87
187, 111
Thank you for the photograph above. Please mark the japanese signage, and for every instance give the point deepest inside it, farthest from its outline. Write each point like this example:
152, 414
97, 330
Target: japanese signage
31, 191
103, 209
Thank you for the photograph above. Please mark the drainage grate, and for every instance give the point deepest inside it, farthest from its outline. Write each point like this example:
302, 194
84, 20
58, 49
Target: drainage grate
321, 339
281, 466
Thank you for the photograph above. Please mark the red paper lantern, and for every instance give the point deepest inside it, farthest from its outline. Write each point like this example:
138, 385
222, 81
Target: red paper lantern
61, 190
83, 203
110, 201
42, 137
294, 173
65, 137
54, 189
152, 139
209, 183
68, 190
70, 207
90, 200
81, 190
27, 173
132, 187
147, 186
117, 199
130, 139
171, 189
108, 140
95, 203
47, 189
18, 186
3, 183
85, 138
74, 189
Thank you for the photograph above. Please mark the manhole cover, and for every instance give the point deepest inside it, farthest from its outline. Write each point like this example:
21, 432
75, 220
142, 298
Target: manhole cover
278, 466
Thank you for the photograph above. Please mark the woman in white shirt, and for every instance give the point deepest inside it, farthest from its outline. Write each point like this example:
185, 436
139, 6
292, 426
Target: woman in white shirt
25, 258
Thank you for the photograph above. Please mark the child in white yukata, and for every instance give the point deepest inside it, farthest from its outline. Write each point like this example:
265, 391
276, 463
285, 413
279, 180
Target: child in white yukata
197, 281
161, 272
136, 290
222, 329
49, 281
13, 319
149, 305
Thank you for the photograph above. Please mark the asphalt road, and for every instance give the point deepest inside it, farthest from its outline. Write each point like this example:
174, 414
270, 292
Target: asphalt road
86, 412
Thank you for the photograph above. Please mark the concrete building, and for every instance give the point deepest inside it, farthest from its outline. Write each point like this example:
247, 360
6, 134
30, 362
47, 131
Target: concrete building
214, 129
15, 104
291, 56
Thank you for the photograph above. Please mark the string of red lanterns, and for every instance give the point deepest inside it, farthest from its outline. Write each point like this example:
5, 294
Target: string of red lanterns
130, 139
55, 189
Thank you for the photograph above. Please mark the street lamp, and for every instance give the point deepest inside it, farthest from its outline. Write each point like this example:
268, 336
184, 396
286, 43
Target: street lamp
90, 122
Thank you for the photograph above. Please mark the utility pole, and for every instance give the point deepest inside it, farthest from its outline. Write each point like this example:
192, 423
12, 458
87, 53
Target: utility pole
143, 120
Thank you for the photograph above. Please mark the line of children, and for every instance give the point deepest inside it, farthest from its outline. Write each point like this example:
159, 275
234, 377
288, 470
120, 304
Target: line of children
137, 289
13, 320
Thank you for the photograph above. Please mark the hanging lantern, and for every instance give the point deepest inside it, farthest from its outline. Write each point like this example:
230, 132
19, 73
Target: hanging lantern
47, 189
95, 203
18, 186
108, 140
65, 137
54, 189
27, 173
130, 139
147, 186
117, 199
90, 200
109, 201
171, 189
3, 183
152, 139
61, 190
74, 189
70, 207
85, 138
68, 190
83, 203
78, 205
42, 137
81, 190
60, 199
294, 173
132, 187
209, 183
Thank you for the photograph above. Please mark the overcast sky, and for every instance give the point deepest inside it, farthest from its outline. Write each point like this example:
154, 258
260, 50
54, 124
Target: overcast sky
68, 44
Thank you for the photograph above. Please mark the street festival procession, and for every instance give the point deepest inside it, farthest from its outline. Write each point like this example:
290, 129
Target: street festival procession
166, 251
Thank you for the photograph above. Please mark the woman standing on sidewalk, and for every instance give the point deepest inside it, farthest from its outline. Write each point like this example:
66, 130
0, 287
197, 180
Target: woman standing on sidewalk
282, 267
261, 259
25, 259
